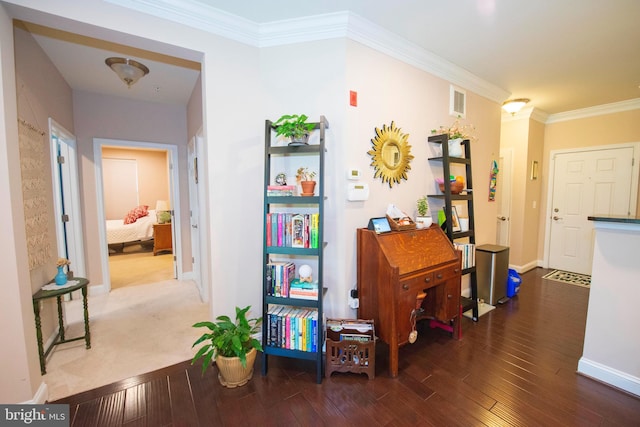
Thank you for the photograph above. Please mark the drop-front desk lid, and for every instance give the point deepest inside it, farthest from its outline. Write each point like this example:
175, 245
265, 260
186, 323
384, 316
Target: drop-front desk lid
414, 250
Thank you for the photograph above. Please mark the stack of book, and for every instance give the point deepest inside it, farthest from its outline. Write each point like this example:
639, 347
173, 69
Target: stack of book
281, 190
303, 290
292, 328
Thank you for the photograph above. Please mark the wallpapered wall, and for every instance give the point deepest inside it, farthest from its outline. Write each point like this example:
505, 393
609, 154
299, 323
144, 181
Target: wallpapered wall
33, 158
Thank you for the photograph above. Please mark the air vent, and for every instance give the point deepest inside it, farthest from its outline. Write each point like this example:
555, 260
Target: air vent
457, 102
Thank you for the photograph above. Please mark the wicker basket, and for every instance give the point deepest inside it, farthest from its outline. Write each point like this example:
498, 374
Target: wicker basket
397, 226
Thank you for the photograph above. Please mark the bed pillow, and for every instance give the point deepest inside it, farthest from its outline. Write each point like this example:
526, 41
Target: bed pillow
135, 213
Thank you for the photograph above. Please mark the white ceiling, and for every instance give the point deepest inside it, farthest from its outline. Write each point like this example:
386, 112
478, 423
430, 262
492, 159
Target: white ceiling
563, 55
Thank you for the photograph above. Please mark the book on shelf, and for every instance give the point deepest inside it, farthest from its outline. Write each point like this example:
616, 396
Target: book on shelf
281, 190
293, 230
468, 251
293, 328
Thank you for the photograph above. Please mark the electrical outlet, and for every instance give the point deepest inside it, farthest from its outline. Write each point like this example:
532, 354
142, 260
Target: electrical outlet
354, 303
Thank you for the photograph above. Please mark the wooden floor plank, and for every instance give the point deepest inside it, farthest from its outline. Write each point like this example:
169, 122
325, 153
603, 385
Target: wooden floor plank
516, 366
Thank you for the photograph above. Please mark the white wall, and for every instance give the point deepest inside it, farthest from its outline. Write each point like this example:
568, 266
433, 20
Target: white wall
19, 370
611, 351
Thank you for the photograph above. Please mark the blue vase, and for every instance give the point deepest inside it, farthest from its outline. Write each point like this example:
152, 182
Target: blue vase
61, 277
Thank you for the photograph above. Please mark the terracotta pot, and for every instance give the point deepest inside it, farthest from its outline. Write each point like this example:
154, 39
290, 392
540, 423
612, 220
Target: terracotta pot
308, 188
231, 372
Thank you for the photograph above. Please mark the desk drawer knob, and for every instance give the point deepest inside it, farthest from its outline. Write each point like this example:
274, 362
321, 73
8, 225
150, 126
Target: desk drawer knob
405, 287
439, 275
427, 279
449, 296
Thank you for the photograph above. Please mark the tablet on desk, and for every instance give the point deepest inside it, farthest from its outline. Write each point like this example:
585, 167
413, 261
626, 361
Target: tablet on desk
379, 225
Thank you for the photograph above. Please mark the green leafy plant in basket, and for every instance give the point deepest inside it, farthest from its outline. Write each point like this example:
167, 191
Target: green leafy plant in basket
227, 338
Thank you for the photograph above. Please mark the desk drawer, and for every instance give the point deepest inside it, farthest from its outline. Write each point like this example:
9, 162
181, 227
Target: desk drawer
446, 273
417, 283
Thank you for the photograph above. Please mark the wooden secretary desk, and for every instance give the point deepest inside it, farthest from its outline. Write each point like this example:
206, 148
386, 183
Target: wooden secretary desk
395, 271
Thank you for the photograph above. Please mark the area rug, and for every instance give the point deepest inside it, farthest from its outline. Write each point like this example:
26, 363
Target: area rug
569, 277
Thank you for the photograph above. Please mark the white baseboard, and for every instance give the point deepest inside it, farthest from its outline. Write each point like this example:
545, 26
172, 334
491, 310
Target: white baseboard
41, 396
610, 376
97, 289
526, 267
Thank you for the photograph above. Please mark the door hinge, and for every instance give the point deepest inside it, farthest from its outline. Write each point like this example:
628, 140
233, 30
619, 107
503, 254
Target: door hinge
65, 218
60, 160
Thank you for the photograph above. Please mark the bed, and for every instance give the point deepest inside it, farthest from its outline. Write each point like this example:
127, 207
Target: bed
120, 234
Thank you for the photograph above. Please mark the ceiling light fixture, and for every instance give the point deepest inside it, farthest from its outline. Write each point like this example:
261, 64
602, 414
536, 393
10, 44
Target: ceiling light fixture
514, 105
128, 70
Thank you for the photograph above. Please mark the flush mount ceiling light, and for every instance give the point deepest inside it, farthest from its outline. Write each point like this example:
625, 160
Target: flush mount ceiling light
128, 70
514, 105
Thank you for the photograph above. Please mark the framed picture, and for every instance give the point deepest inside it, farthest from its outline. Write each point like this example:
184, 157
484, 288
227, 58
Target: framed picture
455, 221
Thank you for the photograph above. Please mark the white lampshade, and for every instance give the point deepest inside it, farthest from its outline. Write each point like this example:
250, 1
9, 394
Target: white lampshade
128, 70
514, 105
162, 205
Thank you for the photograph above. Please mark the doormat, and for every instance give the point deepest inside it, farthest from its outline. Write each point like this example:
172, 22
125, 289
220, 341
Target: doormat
482, 309
569, 277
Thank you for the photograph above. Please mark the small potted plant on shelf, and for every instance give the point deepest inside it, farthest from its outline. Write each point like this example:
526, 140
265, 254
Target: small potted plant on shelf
423, 219
456, 133
231, 345
305, 177
294, 127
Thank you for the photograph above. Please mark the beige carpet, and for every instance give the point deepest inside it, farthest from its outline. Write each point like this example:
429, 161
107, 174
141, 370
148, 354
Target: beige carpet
134, 329
136, 265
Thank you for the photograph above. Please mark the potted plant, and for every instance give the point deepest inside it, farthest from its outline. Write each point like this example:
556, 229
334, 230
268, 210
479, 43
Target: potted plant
456, 133
423, 219
294, 127
231, 345
305, 177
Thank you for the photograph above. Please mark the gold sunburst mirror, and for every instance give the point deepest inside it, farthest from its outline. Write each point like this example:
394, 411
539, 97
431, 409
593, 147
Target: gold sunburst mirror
391, 154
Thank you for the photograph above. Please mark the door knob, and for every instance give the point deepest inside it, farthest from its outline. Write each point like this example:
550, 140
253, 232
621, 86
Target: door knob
194, 226
502, 218
555, 218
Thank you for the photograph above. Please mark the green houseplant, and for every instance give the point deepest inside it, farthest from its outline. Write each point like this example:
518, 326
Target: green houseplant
232, 346
295, 127
423, 219
305, 177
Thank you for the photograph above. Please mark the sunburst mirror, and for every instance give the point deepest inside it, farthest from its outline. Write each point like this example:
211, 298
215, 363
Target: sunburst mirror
391, 154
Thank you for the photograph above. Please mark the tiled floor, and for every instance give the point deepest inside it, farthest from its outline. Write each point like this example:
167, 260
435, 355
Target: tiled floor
134, 330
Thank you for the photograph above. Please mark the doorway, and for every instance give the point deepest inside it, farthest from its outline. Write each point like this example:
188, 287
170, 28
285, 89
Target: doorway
130, 251
66, 196
602, 181
503, 196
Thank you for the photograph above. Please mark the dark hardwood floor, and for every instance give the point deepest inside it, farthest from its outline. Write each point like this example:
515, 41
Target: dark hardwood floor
516, 366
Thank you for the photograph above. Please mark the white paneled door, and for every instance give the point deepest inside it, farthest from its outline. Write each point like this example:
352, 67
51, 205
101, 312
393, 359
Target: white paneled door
588, 183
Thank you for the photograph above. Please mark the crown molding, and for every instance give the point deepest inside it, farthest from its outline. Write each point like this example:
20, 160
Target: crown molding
198, 15
313, 28
598, 110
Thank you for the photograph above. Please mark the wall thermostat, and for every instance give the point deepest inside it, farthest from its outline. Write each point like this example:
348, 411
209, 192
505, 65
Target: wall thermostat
357, 192
353, 174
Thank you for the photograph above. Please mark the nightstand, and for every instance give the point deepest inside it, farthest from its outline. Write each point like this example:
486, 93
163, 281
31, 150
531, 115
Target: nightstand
162, 240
